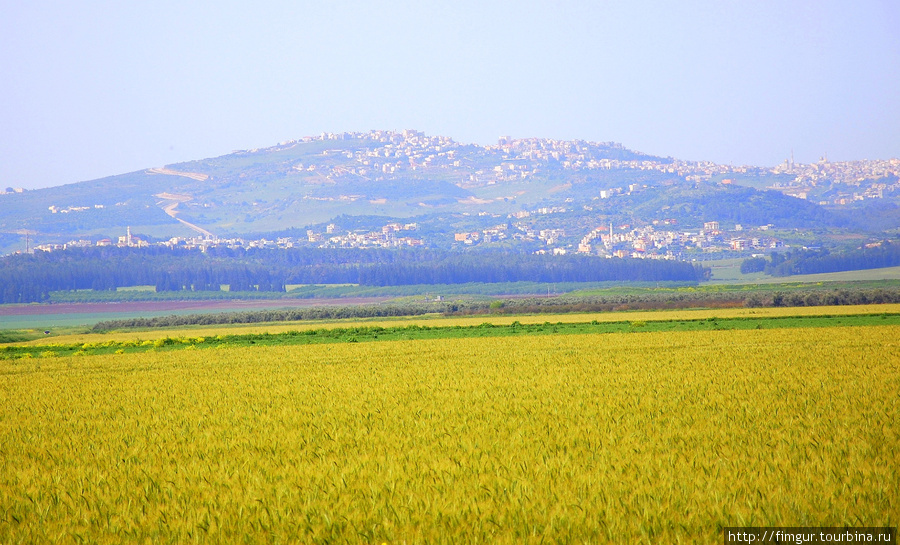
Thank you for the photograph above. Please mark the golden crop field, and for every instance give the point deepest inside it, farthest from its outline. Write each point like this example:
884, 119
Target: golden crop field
633, 437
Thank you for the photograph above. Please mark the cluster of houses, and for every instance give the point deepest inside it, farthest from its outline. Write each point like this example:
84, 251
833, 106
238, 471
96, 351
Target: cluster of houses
391, 235
648, 242
651, 241
126, 240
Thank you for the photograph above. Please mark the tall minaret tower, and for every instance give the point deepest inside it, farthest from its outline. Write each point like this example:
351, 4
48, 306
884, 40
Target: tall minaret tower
128, 236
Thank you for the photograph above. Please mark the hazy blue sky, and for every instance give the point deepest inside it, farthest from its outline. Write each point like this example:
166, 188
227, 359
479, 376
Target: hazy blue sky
91, 89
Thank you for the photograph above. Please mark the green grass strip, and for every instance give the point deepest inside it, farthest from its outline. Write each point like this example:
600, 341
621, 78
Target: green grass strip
417, 332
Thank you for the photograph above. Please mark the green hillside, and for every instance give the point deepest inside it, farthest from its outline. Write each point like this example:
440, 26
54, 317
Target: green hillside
445, 185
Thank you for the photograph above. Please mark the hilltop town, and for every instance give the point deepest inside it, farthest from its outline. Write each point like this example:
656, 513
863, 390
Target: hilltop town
395, 189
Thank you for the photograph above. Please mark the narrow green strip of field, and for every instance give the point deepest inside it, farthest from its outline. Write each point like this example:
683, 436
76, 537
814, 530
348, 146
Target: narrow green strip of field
417, 332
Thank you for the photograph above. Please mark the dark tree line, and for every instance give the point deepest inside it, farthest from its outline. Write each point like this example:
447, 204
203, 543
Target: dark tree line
887, 254
29, 278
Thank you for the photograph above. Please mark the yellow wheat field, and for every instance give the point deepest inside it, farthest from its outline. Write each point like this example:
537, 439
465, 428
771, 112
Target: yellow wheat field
650, 437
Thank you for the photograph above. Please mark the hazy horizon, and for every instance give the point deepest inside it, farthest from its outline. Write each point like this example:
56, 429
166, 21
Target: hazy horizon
95, 90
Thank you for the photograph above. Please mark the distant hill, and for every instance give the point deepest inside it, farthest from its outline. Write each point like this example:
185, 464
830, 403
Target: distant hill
399, 175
